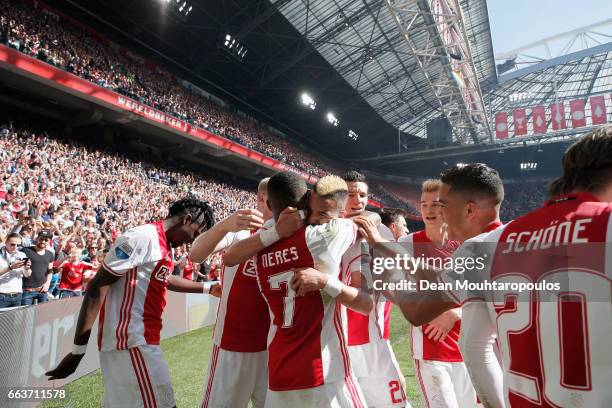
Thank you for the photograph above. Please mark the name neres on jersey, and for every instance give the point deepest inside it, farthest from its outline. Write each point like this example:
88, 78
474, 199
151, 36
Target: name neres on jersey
280, 257
558, 233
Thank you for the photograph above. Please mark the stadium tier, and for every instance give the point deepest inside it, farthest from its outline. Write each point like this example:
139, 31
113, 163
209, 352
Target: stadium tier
283, 204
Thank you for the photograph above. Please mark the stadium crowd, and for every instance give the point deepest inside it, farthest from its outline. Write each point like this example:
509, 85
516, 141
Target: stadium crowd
42, 35
84, 53
523, 197
67, 191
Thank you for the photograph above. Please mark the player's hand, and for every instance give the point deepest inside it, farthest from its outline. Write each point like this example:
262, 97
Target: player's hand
444, 232
215, 290
371, 215
66, 367
289, 221
306, 280
439, 327
244, 219
368, 230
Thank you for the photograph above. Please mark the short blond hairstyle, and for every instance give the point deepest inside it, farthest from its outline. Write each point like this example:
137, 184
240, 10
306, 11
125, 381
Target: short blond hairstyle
431, 186
262, 187
330, 185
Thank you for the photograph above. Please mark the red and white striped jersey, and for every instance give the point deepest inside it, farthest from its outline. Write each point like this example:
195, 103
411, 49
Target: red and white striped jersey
447, 350
307, 343
131, 314
554, 333
243, 319
361, 328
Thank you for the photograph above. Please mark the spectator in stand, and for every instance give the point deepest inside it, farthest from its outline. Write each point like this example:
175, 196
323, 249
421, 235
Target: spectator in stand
72, 272
216, 264
36, 286
59, 43
14, 266
88, 254
521, 198
88, 274
187, 266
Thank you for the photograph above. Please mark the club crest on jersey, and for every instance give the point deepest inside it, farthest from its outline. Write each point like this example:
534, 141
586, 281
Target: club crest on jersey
163, 274
248, 268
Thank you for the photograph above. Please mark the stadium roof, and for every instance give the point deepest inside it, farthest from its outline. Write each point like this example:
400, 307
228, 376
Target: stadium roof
280, 64
570, 65
362, 41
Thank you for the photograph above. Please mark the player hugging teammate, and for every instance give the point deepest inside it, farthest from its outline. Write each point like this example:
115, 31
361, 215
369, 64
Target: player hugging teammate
300, 326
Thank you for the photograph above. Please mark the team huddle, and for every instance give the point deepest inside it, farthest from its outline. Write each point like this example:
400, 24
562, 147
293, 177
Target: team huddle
301, 323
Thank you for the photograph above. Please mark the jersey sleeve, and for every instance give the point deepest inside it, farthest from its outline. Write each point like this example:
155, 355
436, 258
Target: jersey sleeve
328, 243
469, 266
130, 250
351, 260
477, 342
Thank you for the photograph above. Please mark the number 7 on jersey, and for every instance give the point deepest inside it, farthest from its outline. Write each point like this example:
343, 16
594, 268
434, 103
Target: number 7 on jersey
276, 282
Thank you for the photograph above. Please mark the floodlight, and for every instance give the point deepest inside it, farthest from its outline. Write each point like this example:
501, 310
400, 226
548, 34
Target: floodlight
332, 119
308, 101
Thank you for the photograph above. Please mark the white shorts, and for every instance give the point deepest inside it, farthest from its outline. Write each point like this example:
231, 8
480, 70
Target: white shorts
235, 378
445, 385
379, 375
338, 394
136, 377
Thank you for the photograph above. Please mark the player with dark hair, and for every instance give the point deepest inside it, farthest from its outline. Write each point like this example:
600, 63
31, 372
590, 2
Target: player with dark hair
443, 377
470, 200
554, 342
129, 291
308, 356
471, 197
394, 219
371, 354
358, 192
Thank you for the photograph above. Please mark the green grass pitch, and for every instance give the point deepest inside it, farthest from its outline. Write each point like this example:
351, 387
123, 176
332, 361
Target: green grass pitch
187, 356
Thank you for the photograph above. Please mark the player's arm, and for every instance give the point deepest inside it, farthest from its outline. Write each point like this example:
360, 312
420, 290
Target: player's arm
129, 251
419, 308
477, 342
216, 238
370, 215
289, 221
309, 279
92, 301
178, 284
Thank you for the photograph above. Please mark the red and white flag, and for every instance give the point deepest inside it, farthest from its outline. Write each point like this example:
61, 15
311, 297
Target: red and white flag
577, 113
501, 125
557, 113
598, 110
538, 116
520, 122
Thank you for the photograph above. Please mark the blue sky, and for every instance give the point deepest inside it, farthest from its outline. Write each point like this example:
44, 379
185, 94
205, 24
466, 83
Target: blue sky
515, 23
